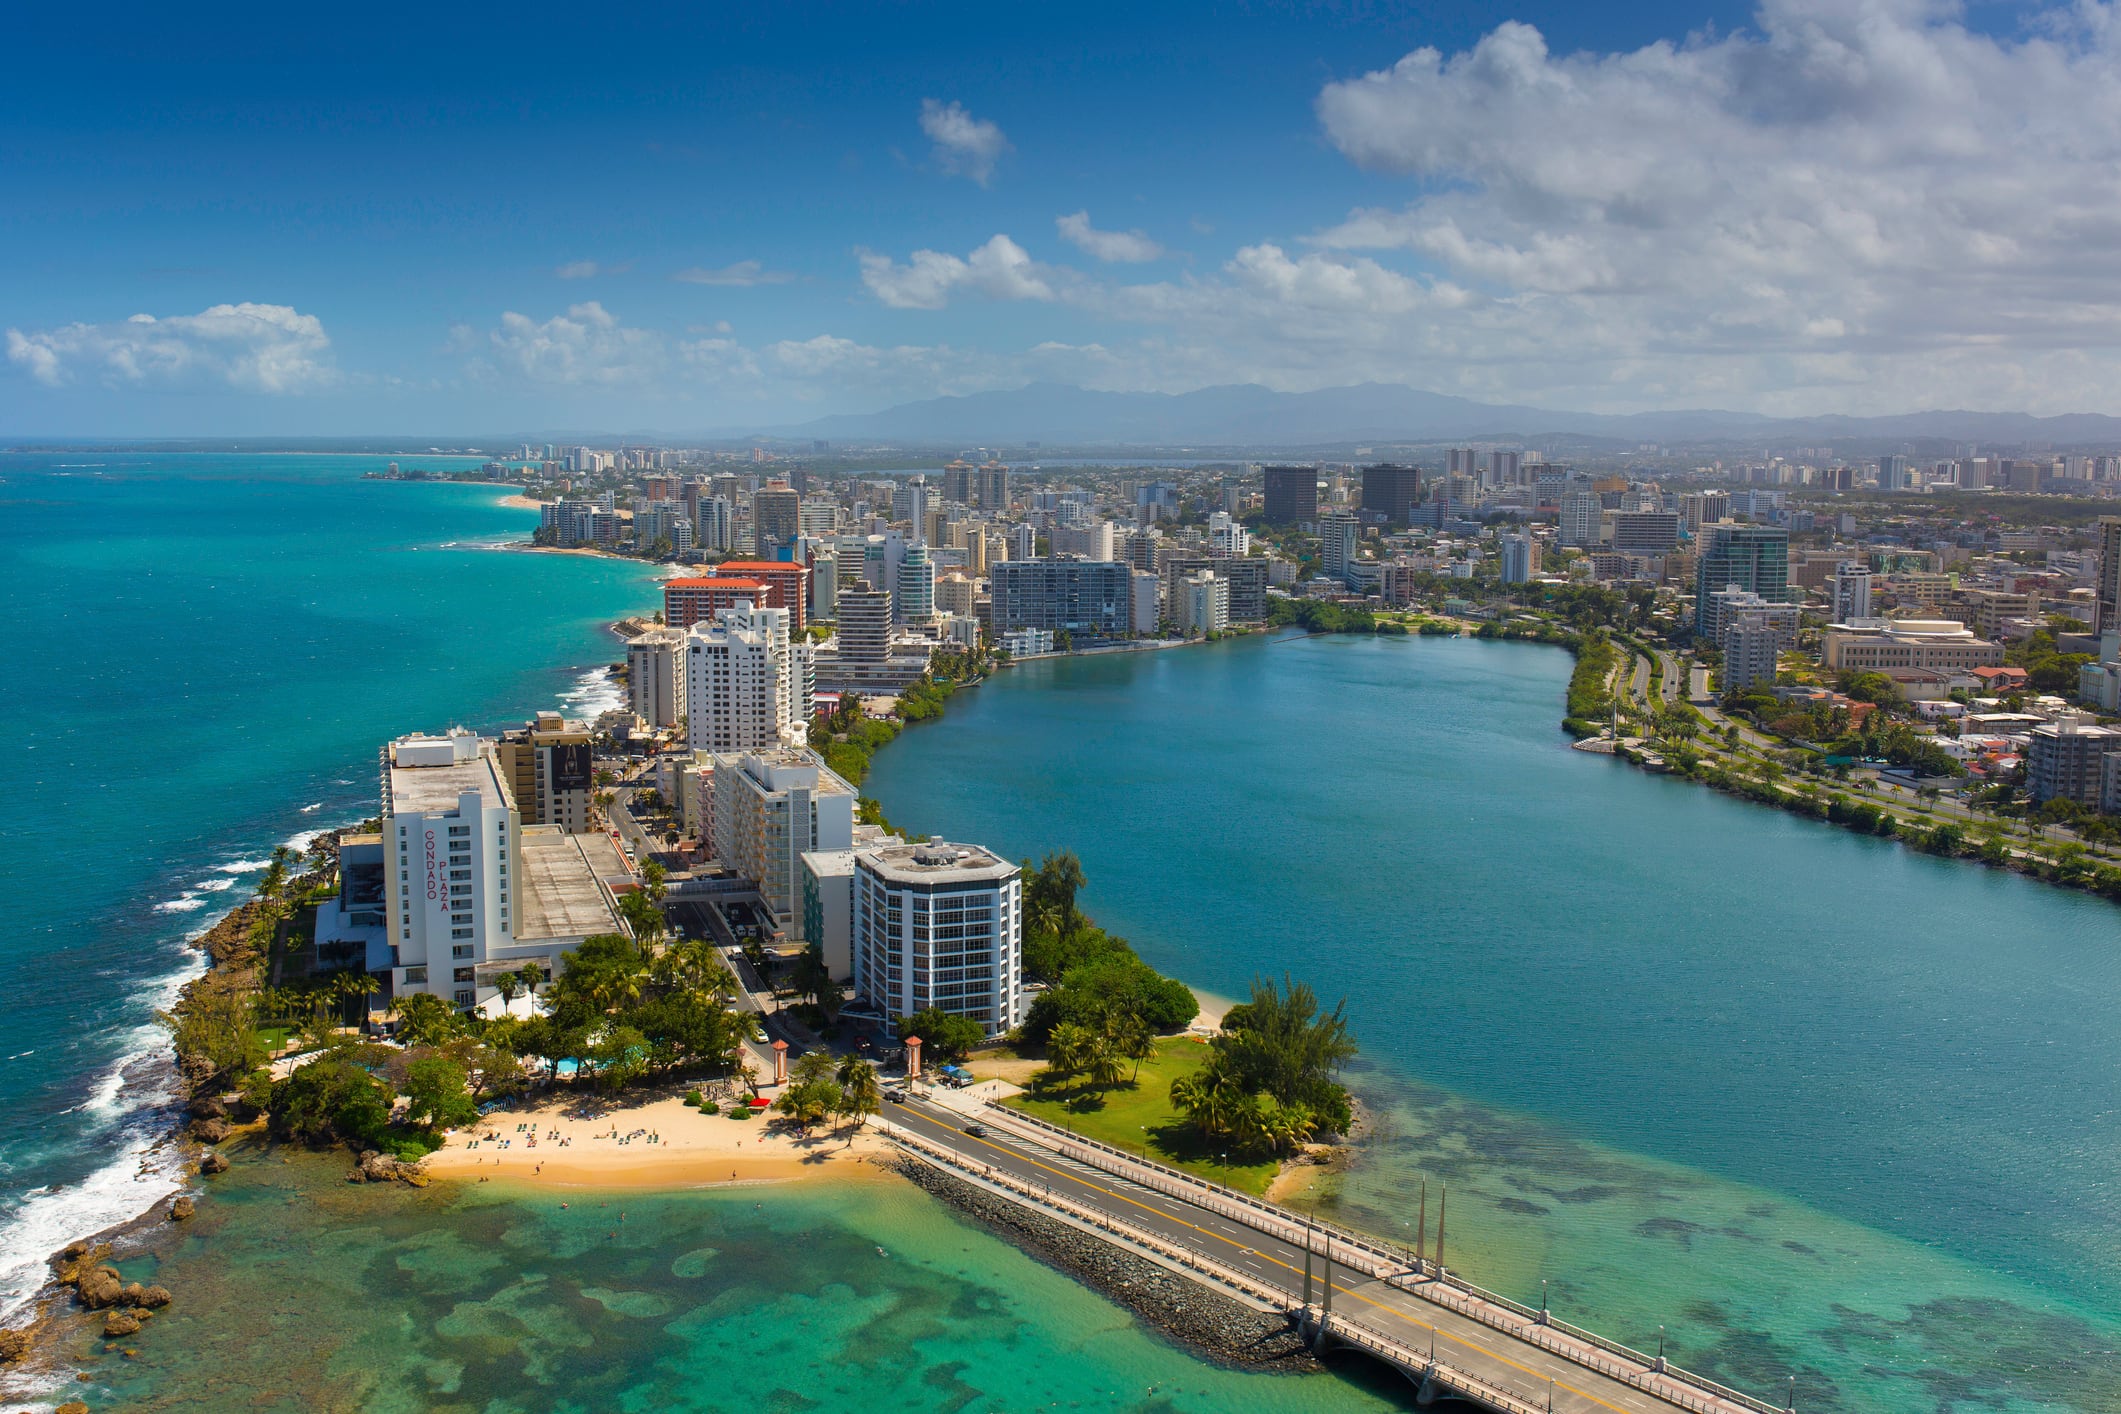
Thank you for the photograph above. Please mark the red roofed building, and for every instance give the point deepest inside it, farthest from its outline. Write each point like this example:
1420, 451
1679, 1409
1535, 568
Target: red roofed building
788, 585
690, 601
2002, 679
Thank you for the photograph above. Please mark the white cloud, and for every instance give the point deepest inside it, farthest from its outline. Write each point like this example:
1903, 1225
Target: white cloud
259, 348
578, 270
1000, 269
1862, 203
1112, 246
586, 345
965, 146
742, 275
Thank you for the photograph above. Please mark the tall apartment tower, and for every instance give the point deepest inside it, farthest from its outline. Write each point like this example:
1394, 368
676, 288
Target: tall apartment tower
776, 518
551, 765
992, 485
1852, 592
449, 833
1520, 559
1292, 494
1752, 557
2109, 602
916, 585
864, 625
655, 676
714, 525
1340, 533
940, 925
748, 684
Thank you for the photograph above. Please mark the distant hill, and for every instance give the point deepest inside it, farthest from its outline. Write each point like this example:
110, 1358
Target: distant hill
1248, 415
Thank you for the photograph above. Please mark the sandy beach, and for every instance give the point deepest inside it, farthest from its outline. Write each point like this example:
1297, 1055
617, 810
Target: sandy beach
661, 1144
520, 502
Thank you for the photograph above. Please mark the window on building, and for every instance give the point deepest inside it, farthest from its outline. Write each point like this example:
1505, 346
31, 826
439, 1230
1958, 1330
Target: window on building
464, 998
460, 932
461, 950
415, 974
463, 974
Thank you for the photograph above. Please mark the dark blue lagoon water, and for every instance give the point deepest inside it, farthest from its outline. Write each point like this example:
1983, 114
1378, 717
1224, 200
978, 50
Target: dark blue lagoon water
1815, 1104
202, 655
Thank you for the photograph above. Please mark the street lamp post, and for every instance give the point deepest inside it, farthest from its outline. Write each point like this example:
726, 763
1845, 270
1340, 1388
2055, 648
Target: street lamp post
1542, 1301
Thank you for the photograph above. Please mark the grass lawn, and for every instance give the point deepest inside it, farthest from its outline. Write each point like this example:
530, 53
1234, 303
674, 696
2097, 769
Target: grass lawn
274, 1037
1140, 1112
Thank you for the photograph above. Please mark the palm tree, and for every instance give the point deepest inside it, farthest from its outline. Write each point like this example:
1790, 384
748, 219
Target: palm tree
860, 1095
509, 984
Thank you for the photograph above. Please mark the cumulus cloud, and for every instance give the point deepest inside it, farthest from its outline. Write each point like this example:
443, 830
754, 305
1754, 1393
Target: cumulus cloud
578, 270
586, 345
1855, 195
258, 348
742, 275
965, 146
1000, 269
1111, 246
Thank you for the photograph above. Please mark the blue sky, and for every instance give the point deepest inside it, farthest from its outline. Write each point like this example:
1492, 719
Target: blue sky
533, 218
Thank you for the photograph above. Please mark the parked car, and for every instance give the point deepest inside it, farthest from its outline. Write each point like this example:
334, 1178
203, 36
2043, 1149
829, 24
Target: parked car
896, 1097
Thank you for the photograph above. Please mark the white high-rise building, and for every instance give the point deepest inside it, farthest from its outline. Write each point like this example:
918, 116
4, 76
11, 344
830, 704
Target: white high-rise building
1143, 602
655, 677
915, 599
1520, 559
909, 502
471, 892
824, 588
769, 809
1226, 536
747, 686
1203, 603
1581, 521
1852, 592
717, 525
940, 925
1340, 532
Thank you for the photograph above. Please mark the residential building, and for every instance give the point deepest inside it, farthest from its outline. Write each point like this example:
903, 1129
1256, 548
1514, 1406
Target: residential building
992, 487
1580, 521
818, 517
824, 588
714, 524
1882, 645
769, 809
909, 501
940, 925
748, 681
864, 627
1727, 605
1145, 606
1852, 592
1752, 557
469, 891
690, 601
2099, 686
1027, 642
1226, 536
1202, 605
2108, 603
655, 676
550, 763
915, 599
1520, 559
1988, 609
1391, 493
1091, 542
1292, 495
2066, 760
1248, 578
955, 594
1339, 533
828, 905
1077, 596
1752, 644
787, 585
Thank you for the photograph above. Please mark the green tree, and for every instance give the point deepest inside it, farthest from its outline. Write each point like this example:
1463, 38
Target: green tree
1289, 1050
860, 1095
424, 1019
331, 1098
218, 1029
943, 1037
437, 1094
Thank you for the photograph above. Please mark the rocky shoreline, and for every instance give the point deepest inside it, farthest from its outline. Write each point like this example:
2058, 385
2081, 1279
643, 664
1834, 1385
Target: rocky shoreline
1203, 1322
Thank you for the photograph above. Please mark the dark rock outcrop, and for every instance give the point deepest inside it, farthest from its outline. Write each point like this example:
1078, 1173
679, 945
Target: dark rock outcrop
214, 1163
14, 1345
1204, 1321
155, 1298
211, 1131
376, 1167
120, 1323
99, 1287
72, 1406
208, 1107
181, 1207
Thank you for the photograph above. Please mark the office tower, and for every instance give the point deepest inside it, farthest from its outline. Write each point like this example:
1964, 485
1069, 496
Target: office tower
1339, 533
1645, 532
1852, 592
939, 925
915, 598
1292, 495
1750, 557
1391, 492
1520, 559
747, 681
864, 625
776, 519
550, 764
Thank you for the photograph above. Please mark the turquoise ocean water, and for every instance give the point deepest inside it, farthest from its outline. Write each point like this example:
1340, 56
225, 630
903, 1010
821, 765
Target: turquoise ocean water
1814, 1104
203, 655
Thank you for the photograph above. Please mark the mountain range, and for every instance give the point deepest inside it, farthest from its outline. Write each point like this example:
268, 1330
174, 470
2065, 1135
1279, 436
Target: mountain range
1247, 415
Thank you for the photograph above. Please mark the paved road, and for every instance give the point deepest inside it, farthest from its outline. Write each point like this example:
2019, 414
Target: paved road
1482, 1351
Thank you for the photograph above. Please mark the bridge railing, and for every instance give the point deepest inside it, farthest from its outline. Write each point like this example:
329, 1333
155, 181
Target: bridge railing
1398, 1353
1383, 1263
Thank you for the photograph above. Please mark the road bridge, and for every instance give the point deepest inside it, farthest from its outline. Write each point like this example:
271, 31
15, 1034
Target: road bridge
1348, 1290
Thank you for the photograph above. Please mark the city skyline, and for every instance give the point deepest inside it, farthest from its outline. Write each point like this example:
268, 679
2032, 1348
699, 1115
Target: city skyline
721, 220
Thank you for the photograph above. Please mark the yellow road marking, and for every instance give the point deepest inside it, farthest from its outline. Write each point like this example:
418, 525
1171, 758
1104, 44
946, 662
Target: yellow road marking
1378, 1305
